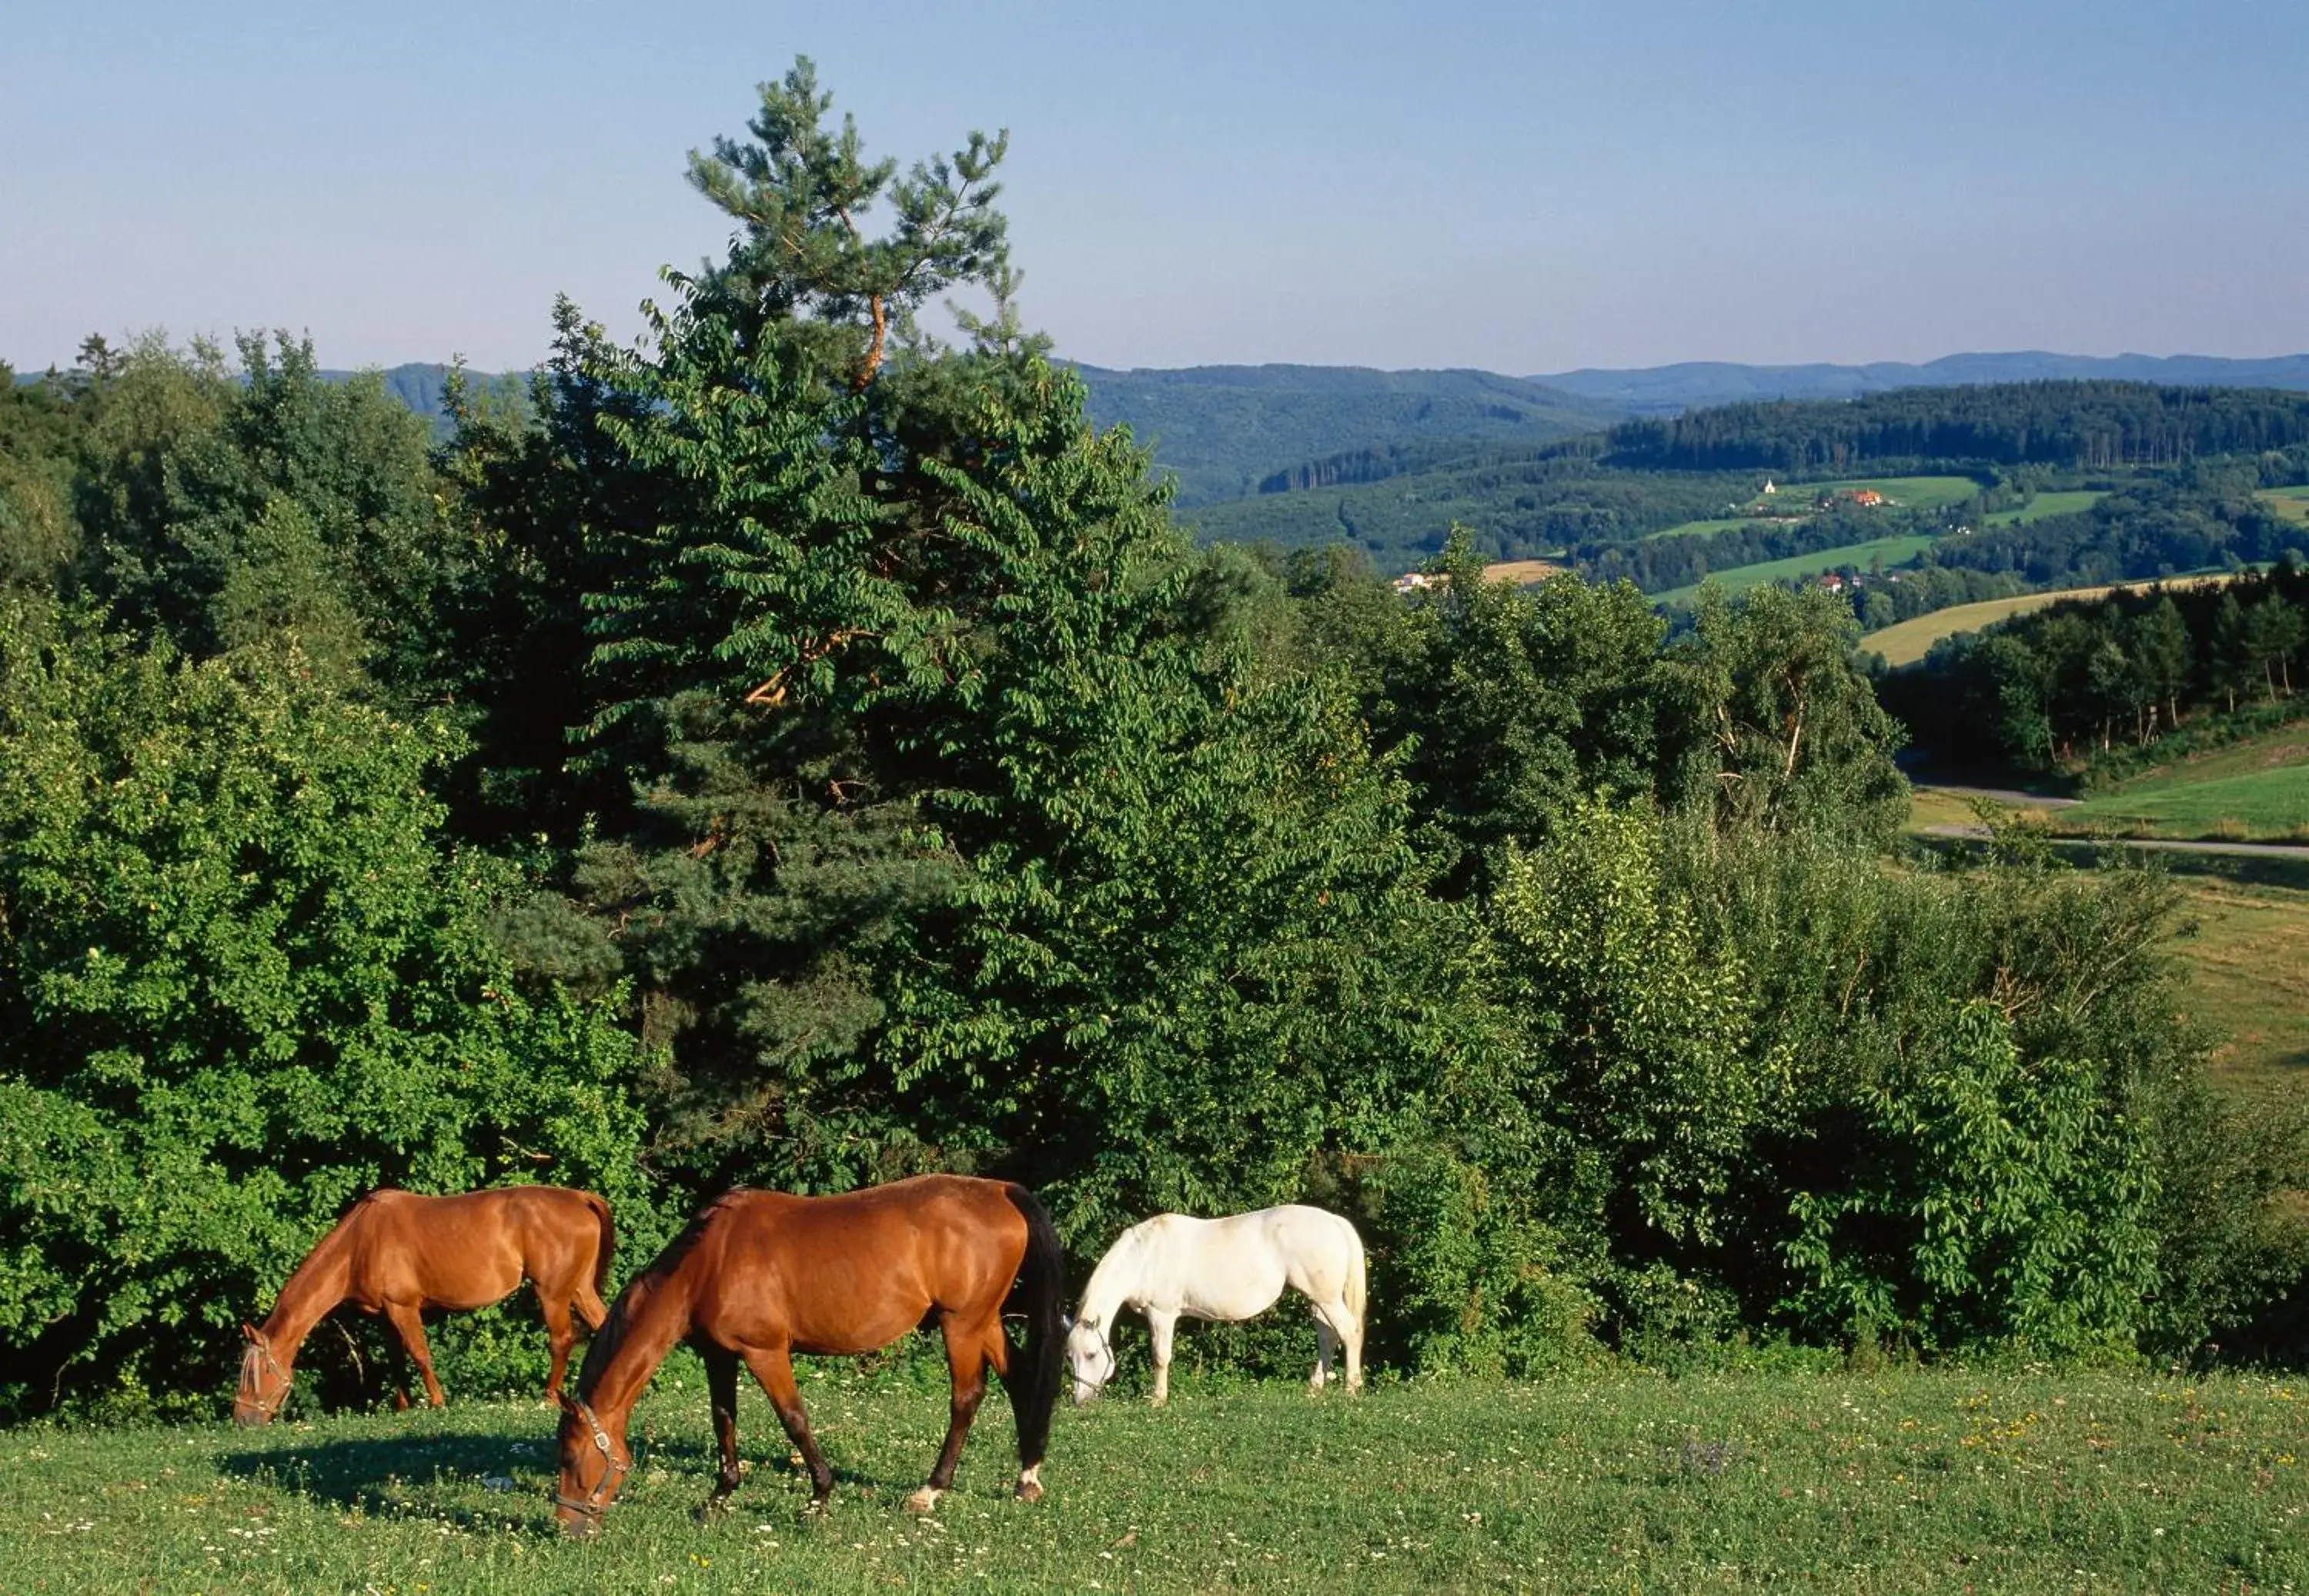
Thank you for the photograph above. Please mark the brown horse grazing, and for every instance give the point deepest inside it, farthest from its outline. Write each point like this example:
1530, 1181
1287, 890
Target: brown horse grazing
397, 1254
759, 1276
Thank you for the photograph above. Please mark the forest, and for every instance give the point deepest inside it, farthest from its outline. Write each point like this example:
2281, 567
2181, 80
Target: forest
801, 751
2047, 690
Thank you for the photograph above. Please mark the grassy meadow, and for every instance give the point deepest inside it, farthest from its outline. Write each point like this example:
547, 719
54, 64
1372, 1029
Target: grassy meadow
1794, 500
2253, 791
1521, 572
1892, 550
2058, 502
2247, 948
1894, 1480
2291, 504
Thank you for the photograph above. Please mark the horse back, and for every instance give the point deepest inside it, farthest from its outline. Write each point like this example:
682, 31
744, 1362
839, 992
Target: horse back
854, 1272
470, 1248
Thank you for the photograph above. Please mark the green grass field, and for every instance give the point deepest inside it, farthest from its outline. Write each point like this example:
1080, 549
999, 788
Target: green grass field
1794, 500
2253, 790
1722, 523
2290, 503
1893, 1482
2060, 501
1893, 550
2262, 805
2247, 949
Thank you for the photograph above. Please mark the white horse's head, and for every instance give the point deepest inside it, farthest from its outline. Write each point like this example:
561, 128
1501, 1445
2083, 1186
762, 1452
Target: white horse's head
1090, 1356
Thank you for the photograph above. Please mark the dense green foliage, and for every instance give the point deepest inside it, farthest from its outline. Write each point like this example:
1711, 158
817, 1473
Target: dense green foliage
246, 987
2078, 679
2206, 520
2087, 426
794, 751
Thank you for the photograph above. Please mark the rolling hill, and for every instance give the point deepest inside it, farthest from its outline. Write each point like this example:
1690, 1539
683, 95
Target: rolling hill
1225, 429
1668, 389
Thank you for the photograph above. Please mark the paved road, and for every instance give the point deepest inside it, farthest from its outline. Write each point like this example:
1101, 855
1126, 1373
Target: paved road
2264, 850
2002, 795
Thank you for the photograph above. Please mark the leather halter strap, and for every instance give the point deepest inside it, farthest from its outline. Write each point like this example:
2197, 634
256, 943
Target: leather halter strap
268, 1409
591, 1504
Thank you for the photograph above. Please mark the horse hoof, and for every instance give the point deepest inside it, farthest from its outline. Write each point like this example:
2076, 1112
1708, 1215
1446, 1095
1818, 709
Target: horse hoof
1028, 1491
922, 1500
817, 1508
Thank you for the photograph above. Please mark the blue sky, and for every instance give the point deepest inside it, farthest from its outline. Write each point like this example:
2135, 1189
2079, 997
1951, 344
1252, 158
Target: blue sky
1522, 187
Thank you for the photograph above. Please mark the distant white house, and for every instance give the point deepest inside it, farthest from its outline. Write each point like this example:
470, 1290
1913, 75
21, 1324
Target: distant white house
1768, 488
1411, 582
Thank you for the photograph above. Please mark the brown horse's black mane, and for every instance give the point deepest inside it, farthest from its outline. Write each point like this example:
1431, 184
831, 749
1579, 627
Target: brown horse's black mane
612, 1335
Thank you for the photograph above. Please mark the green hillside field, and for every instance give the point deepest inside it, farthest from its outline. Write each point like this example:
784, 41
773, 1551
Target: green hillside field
2291, 504
2268, 804
1893, 551
2044, 506
1793, 500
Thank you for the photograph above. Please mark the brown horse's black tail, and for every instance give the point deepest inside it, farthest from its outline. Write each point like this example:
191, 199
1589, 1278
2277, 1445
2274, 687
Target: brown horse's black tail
609, 1244
1034, 1377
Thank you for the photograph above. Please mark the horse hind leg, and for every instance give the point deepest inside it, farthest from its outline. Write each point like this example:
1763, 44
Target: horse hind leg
1338, 1326
773, 1368
591, 1309
410, 1328
969, 1349
561, 1335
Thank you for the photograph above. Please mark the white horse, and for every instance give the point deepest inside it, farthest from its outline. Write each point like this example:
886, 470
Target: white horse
1224, 1269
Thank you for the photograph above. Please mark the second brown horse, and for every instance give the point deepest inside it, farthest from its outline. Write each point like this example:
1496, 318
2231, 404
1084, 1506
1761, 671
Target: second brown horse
397, 1254
759, 1276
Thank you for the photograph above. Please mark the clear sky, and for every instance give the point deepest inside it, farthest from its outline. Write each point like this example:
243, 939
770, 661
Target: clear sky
1524, 187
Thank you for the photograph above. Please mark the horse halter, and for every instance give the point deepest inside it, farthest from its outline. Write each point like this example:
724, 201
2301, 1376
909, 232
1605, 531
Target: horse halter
1105, 1345
592, 1505
266, 1410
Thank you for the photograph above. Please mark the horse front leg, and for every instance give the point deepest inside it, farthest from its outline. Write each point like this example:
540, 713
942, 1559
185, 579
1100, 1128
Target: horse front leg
1159, 1328
967, 1354
773, 1368
722, 1393
410, 1327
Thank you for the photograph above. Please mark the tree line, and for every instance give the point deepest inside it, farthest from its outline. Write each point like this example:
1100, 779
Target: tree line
2085, 426
798, 752
2077, 679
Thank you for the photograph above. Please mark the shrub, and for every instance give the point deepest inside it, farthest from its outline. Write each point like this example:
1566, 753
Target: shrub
247, 984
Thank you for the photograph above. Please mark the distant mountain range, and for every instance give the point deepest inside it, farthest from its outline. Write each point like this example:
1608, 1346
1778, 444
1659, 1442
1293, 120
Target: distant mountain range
1229, 432
1669, 390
